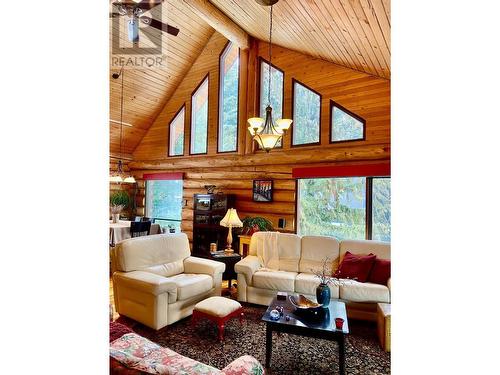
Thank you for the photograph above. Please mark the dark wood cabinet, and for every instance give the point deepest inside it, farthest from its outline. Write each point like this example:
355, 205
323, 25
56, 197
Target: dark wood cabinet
209, 209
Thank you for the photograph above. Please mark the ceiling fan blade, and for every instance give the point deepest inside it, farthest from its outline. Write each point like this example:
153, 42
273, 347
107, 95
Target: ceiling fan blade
160, 25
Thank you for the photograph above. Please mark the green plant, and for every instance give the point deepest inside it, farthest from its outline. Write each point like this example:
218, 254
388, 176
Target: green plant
120, 198
263, 223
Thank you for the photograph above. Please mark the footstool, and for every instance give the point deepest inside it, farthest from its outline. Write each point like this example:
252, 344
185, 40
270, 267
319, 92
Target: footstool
219, 310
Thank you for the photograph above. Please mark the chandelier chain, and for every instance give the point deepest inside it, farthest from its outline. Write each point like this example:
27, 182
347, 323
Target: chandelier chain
121, 115
270, 56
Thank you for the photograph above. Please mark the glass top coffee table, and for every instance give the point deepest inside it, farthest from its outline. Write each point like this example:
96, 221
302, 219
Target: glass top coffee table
320, 326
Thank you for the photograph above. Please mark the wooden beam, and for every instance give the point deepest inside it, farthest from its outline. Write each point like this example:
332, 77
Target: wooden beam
123, 156
276, 157
219, 21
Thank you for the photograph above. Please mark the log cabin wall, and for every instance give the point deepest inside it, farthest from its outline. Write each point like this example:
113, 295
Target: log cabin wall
367, 96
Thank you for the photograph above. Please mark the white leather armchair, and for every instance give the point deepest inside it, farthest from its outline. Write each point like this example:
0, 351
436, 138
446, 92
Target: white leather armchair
157, 282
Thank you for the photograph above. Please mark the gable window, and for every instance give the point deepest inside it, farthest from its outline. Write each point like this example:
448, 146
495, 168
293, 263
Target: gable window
306, 115
277, 87
199, 118
228, 98
176, 134
345, 125
164, 199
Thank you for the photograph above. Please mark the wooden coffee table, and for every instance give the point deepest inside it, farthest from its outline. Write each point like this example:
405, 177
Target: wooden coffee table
322, 327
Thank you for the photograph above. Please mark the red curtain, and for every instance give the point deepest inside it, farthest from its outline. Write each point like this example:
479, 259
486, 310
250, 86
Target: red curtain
359, 170
164, 176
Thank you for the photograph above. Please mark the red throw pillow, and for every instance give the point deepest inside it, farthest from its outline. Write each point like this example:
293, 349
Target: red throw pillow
355, 267
381, 271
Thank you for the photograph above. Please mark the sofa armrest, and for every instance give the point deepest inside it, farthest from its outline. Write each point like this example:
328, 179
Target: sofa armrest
204, 266
389, 284
248, 266
243, 365
145, 282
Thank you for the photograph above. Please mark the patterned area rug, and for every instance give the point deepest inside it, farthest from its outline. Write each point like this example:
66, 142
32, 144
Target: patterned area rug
291, 354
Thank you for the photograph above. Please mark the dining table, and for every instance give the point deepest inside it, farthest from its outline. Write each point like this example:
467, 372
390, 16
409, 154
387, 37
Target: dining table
121, 231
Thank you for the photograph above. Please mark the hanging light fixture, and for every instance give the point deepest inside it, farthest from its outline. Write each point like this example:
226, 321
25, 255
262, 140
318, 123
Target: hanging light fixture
265, 132
118, 176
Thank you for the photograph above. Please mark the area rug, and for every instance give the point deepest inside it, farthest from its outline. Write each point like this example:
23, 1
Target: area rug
291, 354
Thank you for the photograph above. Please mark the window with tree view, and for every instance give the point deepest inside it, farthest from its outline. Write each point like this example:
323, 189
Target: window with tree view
164, 202
176, 134
345, 125
306, 115
199, 119
338, 207
277, 82
228, 98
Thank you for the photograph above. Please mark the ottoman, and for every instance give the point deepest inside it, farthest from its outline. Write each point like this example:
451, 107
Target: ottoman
219, 310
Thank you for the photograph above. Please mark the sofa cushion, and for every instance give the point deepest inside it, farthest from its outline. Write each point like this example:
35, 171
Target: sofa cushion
289, 252
143, 252
381, 272
381, 249
317, 248
354, 291
356, 267
306, 283
275, 280
167, 269
190, 285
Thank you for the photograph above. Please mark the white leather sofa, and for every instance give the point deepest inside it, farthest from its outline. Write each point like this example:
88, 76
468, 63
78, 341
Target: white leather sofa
297, 257
157, 282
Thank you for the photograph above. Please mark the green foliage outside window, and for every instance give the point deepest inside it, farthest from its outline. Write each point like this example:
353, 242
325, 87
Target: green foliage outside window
164, 201
306, 115
345, 127
381, 211
199, 119
332, 207
229, 100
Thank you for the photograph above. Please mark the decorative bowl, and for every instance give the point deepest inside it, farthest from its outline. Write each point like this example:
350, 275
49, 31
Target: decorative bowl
302, 303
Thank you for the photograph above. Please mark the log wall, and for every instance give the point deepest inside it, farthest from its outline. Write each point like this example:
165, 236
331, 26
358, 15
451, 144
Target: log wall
366, 95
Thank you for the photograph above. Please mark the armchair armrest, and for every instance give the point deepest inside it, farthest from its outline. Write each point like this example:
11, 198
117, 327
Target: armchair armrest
248, 266
204, 266
145, 282
244, 365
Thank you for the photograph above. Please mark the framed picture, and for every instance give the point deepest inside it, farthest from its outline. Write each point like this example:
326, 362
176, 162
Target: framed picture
263, 190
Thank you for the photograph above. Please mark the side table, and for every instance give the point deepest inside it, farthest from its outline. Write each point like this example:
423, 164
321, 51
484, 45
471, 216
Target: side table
244, 241
229, 260
384, 325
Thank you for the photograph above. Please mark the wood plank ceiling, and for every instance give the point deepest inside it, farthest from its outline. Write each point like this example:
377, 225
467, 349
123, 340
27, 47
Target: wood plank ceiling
147, 90
352, 33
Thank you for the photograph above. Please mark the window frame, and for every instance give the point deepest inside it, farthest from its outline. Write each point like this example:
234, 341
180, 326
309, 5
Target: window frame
183, 107
294, 81
228, 45
368, 203
205, 78
350, 113
259, 98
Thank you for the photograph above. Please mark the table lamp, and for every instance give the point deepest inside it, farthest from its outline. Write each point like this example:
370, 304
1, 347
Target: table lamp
230, 220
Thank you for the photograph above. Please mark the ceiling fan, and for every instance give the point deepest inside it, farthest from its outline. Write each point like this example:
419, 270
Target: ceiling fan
135, 11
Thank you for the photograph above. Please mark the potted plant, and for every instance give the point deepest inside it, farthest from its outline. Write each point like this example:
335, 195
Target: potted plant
119, 200
255, 224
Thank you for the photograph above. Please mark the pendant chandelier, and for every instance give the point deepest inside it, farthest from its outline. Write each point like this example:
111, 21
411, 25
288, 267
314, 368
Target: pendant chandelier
265, 132
118, 176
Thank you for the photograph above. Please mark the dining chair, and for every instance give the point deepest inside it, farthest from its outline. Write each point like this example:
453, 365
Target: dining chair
144, 218
140, 228
137, 218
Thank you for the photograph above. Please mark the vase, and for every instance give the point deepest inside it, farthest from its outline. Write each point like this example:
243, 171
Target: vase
116, 218
323, 295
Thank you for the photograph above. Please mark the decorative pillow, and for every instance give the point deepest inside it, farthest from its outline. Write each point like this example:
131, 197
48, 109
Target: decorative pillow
381, 271
355, 267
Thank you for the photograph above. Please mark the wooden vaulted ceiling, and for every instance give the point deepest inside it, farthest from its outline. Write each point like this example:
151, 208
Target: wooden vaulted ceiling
351, 33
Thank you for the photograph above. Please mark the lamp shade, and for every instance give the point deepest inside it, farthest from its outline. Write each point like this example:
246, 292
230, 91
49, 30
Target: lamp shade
231, 219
